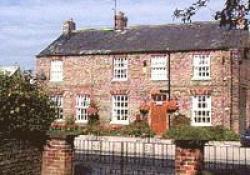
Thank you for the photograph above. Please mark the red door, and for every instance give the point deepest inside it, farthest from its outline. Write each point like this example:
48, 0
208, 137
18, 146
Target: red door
158, 114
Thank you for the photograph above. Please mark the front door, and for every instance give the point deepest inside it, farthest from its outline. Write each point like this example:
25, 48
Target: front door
158, 114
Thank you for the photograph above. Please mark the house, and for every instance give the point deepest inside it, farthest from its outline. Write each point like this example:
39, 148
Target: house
202, 65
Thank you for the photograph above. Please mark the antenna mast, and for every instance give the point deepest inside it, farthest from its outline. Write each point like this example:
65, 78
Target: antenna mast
115, 6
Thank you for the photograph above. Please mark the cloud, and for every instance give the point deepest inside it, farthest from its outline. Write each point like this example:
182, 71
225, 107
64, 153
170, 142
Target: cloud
28, 26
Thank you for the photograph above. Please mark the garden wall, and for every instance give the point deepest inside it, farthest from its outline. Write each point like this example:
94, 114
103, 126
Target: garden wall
18, 157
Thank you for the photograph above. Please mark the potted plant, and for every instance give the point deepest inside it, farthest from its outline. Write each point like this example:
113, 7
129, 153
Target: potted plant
92, 112
144, 108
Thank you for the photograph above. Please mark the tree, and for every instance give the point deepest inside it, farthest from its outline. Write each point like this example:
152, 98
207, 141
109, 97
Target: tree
232, 16
25, 109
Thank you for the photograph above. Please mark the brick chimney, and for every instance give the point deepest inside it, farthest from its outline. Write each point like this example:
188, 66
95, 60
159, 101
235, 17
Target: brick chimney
120, 21
69, 26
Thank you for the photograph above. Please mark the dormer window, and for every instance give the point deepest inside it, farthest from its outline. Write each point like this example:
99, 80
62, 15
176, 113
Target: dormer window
56, 70
120, 71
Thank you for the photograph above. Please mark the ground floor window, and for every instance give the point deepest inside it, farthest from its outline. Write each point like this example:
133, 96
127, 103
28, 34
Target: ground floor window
201, 110
120, 109
82, 103
58, 105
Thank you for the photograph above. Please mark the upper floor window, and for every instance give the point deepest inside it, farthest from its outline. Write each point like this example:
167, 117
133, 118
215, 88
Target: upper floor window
82, 104
201, 110
201, 65
58, 105
56, 71
159, 68
120, 109
120, 69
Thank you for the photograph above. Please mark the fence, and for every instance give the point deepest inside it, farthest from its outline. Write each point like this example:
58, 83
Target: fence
227, 158
123, 157
143, 156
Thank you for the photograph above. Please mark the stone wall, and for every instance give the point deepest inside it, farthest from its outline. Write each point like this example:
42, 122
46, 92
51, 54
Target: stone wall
19, 158
93, 75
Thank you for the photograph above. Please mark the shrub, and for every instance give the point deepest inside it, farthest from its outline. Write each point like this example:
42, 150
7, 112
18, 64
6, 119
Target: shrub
25, 109
180, 120
137, 129
217, 133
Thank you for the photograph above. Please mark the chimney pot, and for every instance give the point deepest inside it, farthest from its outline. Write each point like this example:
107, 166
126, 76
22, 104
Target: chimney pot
69, 26
120, 21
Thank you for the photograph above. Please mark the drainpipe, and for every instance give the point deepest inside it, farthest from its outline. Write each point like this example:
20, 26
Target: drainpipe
169, 90
169, 96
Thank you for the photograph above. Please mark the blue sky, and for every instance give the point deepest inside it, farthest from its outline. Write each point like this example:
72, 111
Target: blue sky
28, 26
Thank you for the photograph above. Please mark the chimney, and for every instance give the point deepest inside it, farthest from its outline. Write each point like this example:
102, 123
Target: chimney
69, 26
120, 21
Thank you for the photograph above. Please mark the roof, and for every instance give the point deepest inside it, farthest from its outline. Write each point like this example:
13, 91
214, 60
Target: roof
9, 70
172, 37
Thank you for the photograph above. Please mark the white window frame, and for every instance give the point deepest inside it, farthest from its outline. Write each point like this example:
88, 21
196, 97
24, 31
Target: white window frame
159, 68
82, 104
201, 67
120, 110
56, 71
201, 110
58, 106
120, 69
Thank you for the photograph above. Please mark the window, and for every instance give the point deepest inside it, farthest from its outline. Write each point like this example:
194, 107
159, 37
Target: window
201, 110
56, 71
120, 109
201, 67
82, 104
159, 68
58, 105
120, 69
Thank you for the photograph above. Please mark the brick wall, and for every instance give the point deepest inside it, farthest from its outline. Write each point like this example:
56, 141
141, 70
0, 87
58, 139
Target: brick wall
19, 158
58, 157
188, 161
93, 75
182, 83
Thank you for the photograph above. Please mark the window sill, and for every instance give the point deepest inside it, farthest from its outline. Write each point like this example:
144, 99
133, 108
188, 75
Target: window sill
126, 122
81, 121
200, 124
115, 80
56, 81
201, 79
159, 79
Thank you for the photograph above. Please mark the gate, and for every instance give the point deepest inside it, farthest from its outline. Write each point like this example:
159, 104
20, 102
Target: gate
100, 157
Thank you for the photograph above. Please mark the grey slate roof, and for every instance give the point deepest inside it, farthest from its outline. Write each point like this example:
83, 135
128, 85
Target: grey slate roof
173, 37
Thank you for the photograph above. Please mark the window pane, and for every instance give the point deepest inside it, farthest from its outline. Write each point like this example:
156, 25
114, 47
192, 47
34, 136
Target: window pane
120, 68
201, 110
158, 68
201, 65
120, 107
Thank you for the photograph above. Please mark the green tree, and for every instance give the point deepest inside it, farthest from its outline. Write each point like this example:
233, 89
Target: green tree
25, 109
233, 15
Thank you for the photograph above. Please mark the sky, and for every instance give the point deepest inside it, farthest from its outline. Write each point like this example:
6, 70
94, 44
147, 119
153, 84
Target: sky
28, 26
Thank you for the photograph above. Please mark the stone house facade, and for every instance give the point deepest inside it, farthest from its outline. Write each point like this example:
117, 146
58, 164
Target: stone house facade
205, 67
